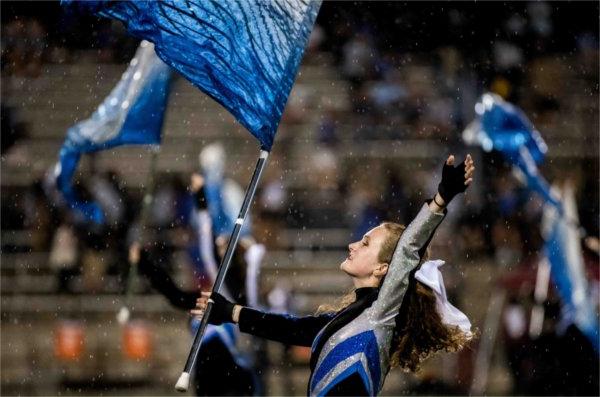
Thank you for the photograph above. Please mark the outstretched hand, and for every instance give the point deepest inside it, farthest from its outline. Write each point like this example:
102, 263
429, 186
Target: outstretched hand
455, 179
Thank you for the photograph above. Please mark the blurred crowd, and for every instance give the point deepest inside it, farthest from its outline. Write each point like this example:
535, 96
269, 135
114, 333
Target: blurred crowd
34, 36
408, 80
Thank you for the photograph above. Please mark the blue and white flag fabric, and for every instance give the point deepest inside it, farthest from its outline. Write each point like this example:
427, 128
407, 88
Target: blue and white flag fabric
503, 127
563, 250
133, 113
243, 53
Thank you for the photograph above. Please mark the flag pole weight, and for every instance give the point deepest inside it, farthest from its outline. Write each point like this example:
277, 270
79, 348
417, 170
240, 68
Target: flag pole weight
184, 380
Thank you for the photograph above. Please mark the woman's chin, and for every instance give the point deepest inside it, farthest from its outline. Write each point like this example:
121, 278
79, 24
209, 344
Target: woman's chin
343, 265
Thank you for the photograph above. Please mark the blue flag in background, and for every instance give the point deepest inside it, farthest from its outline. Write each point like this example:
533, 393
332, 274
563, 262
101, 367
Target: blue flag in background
133, 113
503, 127
563, 249
243, 53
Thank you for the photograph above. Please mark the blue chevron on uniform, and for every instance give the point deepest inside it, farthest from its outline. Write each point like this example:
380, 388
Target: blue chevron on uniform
364, 342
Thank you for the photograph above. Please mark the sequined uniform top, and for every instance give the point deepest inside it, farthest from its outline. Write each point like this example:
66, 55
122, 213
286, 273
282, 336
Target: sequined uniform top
351, 348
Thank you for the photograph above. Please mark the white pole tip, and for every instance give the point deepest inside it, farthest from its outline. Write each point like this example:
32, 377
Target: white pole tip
183, 382
123, 315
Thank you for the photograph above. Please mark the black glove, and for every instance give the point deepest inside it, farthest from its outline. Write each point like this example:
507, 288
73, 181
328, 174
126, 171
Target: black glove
222, 310
453, 181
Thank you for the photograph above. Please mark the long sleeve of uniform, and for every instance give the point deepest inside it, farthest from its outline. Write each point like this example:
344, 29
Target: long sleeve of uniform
407, 256
284, 328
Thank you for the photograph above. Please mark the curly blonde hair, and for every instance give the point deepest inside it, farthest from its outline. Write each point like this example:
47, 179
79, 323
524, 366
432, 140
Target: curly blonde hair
420, 332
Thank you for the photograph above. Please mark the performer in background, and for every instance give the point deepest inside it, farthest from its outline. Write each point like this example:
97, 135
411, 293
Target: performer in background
398, 314
221, 369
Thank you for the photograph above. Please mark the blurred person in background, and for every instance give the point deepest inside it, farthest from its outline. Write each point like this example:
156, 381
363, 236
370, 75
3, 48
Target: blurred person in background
109, 192
559, 361
64, 256
271, 207
222, 369
24, 46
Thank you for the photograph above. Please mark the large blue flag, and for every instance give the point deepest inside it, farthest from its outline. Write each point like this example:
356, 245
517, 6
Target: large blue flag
503, 127
563, 249
133, 113
243, 53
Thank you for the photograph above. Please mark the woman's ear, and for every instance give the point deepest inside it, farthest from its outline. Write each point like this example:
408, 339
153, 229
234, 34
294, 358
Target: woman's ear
381, 269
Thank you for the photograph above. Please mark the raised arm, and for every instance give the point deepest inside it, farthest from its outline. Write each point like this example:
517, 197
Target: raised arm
414, 240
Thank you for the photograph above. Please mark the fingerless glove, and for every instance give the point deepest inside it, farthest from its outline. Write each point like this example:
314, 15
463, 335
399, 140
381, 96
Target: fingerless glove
222, 310
453, 181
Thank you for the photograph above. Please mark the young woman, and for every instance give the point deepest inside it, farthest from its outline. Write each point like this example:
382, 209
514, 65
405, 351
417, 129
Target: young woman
397, 316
